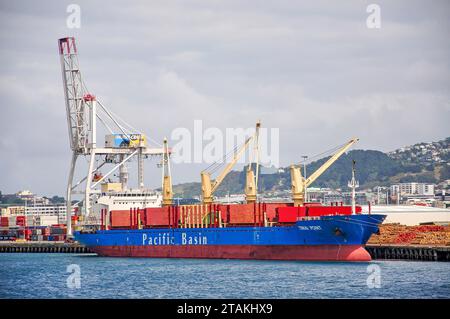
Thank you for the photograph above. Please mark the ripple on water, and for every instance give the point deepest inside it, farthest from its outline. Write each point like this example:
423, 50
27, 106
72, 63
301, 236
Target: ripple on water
45, 276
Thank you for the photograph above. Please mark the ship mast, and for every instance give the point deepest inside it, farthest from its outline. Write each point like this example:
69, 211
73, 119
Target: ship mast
353, 184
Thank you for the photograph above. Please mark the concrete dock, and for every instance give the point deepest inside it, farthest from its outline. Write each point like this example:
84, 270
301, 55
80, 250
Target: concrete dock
407, 252
42, 247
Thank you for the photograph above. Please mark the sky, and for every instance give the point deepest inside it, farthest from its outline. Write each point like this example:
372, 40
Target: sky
311, 69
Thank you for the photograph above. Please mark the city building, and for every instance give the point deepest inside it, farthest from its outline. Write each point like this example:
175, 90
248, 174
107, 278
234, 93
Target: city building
12, 211
406, 189
361, 198
58, 210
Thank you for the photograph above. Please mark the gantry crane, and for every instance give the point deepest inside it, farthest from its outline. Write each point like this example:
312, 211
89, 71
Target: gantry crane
299, 183
83, 109
209, 186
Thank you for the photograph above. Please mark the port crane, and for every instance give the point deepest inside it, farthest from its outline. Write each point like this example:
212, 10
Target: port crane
299, 184
123, 144
209, 186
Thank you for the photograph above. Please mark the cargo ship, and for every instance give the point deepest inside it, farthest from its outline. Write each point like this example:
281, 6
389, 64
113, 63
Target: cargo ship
238, 231
143, 223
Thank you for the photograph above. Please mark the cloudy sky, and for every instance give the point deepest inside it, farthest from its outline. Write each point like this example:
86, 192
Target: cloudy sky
312, 69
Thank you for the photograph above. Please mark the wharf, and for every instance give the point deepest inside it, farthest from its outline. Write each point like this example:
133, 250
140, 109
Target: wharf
42, 247
409, 252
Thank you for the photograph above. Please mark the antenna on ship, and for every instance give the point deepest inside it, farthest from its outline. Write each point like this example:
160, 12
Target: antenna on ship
121, 145
353, 184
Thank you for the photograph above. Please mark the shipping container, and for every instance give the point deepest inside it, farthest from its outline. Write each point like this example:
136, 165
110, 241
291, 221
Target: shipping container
11, 221
8, 238
157, 216
271, 210
37, 237
46, 220
330, 210
243, 214
20, 220
57, 230
120, 219
288, 214
4, 222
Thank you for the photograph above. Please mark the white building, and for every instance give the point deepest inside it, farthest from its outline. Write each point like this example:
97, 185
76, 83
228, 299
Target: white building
407, 189
46, 210
58, 211
32, 199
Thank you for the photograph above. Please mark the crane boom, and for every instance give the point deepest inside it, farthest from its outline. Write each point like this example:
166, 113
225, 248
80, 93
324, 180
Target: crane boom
330, 162
230, 165
299, 183
209, 187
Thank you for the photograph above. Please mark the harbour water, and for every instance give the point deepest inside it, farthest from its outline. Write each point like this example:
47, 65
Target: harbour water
88, 276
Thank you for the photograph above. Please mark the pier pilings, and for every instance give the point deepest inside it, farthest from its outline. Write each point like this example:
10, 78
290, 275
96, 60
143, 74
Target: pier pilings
43, 247
424, 253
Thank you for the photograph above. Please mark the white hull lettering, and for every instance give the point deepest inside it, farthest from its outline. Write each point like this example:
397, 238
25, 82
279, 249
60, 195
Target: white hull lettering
166, 239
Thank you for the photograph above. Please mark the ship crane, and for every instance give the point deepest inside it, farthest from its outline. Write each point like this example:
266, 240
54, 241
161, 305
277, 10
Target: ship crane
166, 176
251, 177
299, 184
209, 186
83, 110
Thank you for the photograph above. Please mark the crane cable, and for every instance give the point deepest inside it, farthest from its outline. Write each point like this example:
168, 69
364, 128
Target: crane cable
118, 119
218, 164
310, 159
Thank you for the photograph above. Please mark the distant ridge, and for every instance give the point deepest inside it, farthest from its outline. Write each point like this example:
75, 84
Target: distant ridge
422, 162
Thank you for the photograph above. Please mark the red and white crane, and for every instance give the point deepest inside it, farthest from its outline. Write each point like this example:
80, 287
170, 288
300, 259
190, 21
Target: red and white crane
121, 145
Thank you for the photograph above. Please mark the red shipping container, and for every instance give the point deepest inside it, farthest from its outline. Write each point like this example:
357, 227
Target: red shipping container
157, 216
287, 214
20, 221
120, 218
4, 222
271, 209
331, 210
242, 214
